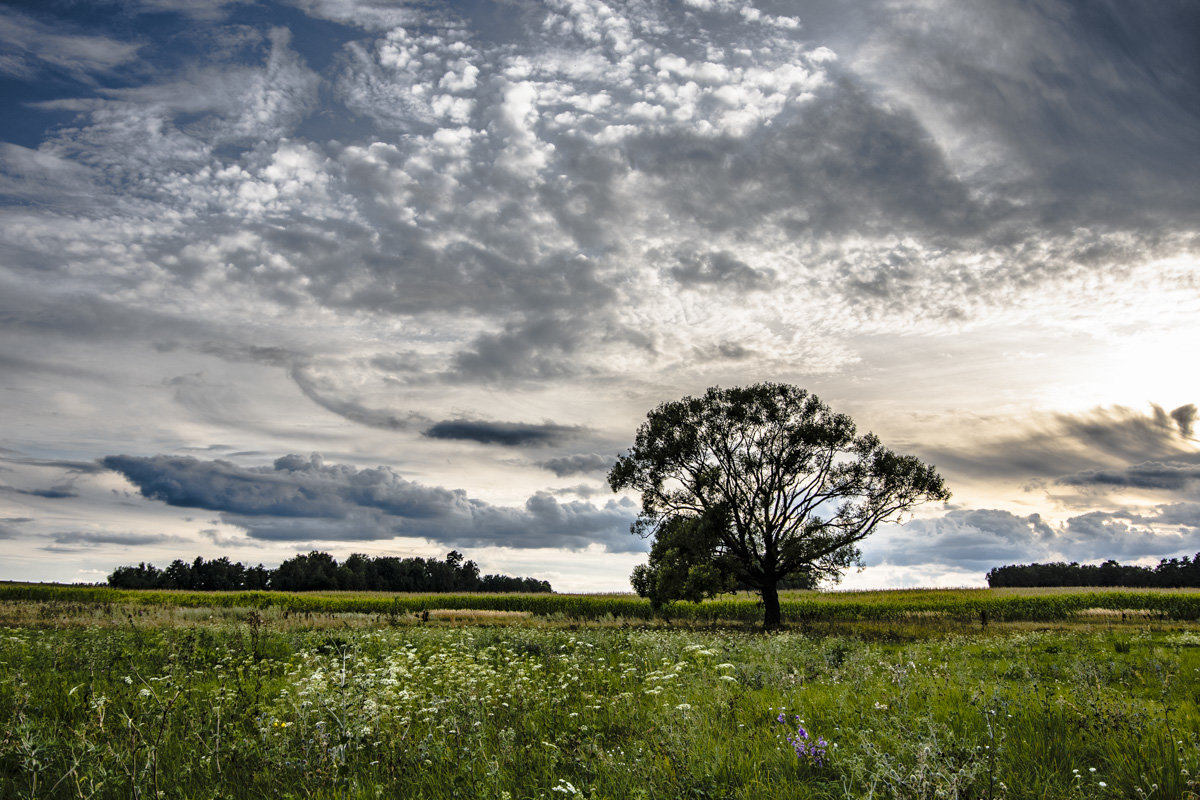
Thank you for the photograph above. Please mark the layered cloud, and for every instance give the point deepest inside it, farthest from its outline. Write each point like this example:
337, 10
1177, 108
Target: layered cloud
32, 46
302, 499
1083, 449
503, 433
1141, 505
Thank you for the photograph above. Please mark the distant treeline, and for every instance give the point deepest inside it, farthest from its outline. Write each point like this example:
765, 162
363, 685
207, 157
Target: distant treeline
1173, 573
321, 571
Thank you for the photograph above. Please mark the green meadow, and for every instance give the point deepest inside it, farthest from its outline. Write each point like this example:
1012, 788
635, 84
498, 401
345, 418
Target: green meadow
905, 694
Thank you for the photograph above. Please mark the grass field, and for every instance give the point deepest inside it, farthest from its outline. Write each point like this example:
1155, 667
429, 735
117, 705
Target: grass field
898, 694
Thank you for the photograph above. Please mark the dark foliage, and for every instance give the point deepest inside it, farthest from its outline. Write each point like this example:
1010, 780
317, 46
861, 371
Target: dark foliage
318, 571
761, 486
1173, 573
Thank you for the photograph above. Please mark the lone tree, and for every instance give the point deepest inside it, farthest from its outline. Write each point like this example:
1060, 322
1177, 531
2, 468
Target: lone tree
759, 486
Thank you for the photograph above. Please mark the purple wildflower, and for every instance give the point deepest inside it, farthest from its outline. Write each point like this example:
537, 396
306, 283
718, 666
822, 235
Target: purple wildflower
808, 751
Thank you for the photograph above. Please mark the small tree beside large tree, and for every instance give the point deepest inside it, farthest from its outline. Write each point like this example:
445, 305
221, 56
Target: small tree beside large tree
760, 486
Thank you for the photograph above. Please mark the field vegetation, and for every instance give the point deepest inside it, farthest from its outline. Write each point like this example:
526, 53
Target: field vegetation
872, 695
799, 607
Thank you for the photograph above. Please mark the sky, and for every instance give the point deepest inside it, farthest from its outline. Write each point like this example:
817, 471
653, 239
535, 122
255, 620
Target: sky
404, 277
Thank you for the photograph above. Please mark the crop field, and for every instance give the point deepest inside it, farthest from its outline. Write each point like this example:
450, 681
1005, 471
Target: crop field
798, 607
903, 695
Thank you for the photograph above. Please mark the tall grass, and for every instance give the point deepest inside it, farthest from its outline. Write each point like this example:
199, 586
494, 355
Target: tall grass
243, 707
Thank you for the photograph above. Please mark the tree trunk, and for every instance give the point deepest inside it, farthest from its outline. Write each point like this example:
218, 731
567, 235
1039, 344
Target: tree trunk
771, 616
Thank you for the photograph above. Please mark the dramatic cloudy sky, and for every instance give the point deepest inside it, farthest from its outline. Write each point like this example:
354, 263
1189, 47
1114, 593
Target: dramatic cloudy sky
400, 277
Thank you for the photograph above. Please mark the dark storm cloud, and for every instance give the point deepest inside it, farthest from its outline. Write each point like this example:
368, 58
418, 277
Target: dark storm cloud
301, 498
510, 434
1090, 101
578, 463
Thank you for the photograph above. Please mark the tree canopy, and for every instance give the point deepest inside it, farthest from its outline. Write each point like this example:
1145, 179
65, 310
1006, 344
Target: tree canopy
317, 571
1170, 573
757, 486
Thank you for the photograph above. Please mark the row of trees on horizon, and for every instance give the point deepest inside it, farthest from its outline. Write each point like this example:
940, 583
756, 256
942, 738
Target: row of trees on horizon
318, 571
1172, 573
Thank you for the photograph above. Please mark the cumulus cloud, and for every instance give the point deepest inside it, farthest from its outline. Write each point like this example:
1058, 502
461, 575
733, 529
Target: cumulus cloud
972, 539
980, 539
300, 498
1124, 536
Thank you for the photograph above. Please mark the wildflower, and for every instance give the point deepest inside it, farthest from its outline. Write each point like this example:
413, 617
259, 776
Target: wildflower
683, 707
807, 750
1102, 784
